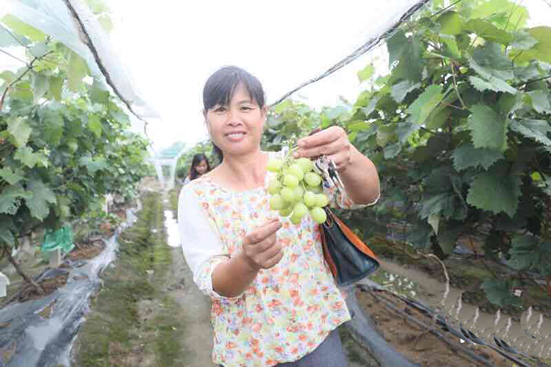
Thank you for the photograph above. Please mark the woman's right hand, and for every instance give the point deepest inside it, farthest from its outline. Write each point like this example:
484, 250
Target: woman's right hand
260, 248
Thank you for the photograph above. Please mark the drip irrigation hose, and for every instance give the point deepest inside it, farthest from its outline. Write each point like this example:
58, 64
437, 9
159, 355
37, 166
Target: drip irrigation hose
393, 307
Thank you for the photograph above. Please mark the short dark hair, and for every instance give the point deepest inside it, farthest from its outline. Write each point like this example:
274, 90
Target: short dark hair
220, 88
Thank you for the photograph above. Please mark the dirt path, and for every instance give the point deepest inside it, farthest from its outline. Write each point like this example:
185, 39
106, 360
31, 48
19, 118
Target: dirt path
196, 312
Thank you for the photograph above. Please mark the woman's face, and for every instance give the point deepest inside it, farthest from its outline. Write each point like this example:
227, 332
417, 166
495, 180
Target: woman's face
237, 129
202, 167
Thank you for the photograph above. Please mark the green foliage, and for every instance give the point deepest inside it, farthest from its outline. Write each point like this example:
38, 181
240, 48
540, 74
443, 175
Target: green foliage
64, 142
459, 131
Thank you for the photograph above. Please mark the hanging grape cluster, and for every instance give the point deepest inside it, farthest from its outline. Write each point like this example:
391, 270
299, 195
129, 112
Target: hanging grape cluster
296, 190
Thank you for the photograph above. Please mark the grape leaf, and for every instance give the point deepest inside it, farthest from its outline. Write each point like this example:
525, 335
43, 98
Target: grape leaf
529, 72
366, 73
94, 124
356, 126
400, 90
41, 85
533, 129
447, 239
53, 127
488, 31
493, 83
467, 156
411, 63
523, 41
392, 150
434, 221
30, 159
496, 190
22, 28
396, 46
405, 129
10, 199
489, 60
508, 103
540, 101
425, 103
9, 176
419, 235
38, 50
6, 40
38, 203
385, 134
76, 71
434, 204
450, 23
497, 292
93, 165
452, 48
20, 130
530, 253
6, 231
488, 129
540, 51
488, 8
56, 88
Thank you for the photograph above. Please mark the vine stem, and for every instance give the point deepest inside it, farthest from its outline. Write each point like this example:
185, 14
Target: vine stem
36, 286
16, 80
455, 87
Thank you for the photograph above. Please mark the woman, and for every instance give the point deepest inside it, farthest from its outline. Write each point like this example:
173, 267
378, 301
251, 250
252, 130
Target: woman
199, 166
274, 300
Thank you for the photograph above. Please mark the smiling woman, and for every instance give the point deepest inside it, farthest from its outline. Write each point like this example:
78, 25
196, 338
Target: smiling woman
234, 110
274, 299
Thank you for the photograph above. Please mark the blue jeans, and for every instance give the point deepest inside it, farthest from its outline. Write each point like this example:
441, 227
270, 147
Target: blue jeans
328, 354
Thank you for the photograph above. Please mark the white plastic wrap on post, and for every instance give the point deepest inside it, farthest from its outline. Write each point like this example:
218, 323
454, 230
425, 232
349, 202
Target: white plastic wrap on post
4, 282
108, 202
55, 258
159, 170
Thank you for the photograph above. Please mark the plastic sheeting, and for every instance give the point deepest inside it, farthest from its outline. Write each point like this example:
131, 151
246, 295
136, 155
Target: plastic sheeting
33, 340
72, 23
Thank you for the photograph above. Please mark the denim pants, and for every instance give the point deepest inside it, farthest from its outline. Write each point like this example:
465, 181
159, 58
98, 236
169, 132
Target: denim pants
328, 354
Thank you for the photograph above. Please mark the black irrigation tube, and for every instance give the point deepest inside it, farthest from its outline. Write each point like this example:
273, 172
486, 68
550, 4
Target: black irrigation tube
393, 307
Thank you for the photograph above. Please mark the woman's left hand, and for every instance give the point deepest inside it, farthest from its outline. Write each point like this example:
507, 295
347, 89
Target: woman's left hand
332, 142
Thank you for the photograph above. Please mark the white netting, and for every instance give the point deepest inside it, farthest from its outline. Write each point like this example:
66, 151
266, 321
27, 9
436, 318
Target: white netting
72, 23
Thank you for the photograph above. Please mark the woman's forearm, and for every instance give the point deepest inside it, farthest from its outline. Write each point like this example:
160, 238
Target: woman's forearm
231, 278
360, 179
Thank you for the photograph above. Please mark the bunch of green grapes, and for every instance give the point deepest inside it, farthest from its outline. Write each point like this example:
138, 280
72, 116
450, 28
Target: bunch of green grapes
296, 190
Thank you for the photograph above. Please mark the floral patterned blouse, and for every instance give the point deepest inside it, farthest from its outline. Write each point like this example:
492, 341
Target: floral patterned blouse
289, 309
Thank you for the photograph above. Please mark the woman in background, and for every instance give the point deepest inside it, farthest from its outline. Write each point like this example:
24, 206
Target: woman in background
199, 166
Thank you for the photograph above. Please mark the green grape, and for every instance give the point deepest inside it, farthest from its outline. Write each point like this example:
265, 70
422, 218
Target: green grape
318, 215
310, 198
295, 189
295, 220
300, 210
312, 179
316, 189
276, 202
287, 194
305, 164
321, 200
285, 212
296, 171
274, 165
274, 187
290, 181
299, 192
